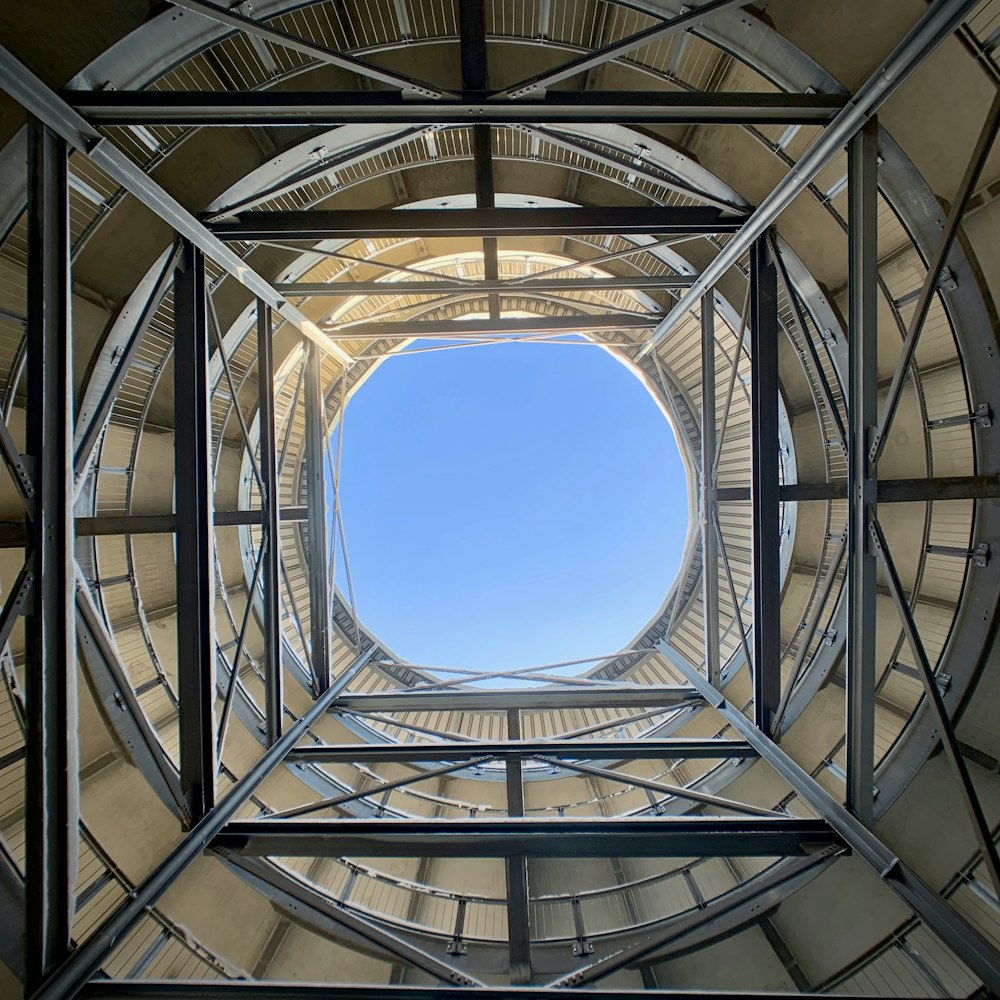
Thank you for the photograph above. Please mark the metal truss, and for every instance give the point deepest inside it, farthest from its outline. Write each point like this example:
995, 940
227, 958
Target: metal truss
58, 967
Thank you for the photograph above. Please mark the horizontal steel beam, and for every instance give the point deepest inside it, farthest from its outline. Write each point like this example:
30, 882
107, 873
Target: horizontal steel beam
539, 699
164, 524
468, 329
179, 989
377, 223
650, 837
574, 283
889, 490
275, 107
672, 749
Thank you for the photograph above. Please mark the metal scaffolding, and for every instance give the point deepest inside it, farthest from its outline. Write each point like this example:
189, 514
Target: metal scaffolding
56, 606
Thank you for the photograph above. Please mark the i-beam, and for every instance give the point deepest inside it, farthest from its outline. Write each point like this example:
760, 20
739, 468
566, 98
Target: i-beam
649, 837
378, 223
273, 108
669, 749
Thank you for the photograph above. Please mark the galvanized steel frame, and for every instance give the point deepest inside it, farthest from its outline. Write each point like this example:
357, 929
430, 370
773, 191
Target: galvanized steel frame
210, 819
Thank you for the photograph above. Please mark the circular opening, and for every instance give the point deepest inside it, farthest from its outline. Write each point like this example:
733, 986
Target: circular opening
509, 505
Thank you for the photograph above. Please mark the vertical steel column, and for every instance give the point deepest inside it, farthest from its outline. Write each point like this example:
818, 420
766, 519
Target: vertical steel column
51, 767
862, 487
320, 609
270, 570
486, 198
764, 485
709, 548
518, 919
195, 579
475, 81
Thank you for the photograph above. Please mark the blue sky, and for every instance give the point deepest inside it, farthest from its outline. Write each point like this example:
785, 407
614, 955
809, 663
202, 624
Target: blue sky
508, 505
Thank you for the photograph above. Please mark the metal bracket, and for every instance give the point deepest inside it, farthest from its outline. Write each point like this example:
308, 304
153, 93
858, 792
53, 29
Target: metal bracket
581, 946
981, 416
457, 946
947, 282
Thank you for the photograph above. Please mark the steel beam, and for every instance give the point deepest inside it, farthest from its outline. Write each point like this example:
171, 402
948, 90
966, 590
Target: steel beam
194, 499
311, 50
980, 825
887, 490
709, 548
380, 223
42, 101
92, 420
717, 918
468, 329
109, 681
316, 910
936, 24
14, 461
320, 605
179, 989
519, 286
590, 60
293, 108
540, 699
270, 499
51, 764
649, 837
764, 496
862, 414
966, 942
664, 749
970, 180
84, 961
516, 868
677, 791
165, 524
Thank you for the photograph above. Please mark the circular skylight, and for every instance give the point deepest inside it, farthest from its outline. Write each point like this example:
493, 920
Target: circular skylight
508, 505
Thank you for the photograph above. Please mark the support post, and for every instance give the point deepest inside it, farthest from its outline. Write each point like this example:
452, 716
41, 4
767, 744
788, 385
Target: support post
518, 929
51, 767
320, 608
270, 570
764, 493
475, 80
709, 548
862, 488
194, 504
